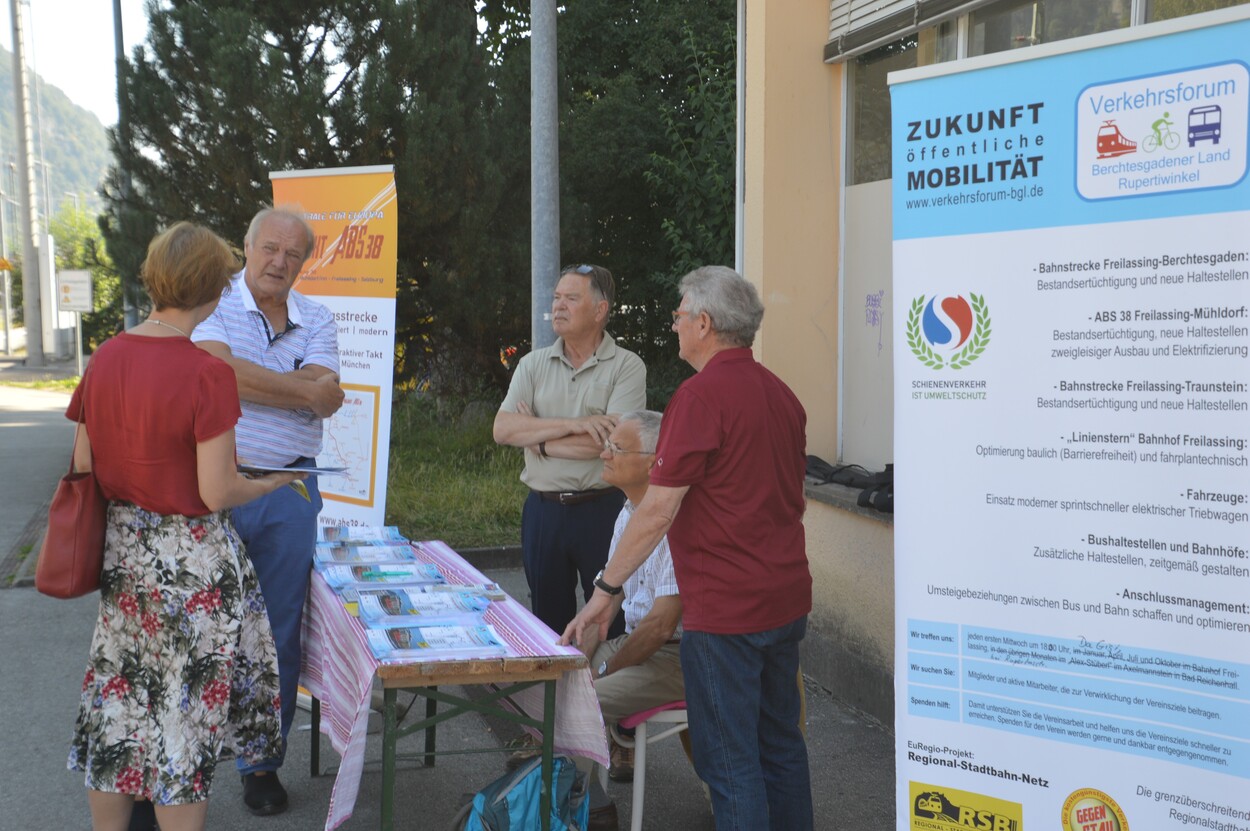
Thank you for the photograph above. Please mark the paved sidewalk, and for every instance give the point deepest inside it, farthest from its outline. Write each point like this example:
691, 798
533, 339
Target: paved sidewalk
43, 646
35, 442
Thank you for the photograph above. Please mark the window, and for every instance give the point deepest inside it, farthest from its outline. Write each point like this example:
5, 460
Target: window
1019, 23
1167, 9
869, 148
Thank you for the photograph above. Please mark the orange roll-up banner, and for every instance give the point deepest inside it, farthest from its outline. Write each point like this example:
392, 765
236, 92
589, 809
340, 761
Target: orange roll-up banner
353, 213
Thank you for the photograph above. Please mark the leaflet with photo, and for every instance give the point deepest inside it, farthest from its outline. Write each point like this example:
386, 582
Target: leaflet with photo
360, 534
406, 606
373, 574
434, 643
331, 553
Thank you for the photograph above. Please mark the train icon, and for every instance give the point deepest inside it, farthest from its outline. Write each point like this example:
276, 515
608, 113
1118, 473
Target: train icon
1112, 142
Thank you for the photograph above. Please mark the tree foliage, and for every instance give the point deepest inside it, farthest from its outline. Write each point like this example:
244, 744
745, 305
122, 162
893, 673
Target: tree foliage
225, 91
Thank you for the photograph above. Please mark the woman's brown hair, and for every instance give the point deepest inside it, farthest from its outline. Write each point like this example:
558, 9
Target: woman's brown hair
187, 266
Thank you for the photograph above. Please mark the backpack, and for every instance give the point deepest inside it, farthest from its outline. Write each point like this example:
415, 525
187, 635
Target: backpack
511, 802
877, 488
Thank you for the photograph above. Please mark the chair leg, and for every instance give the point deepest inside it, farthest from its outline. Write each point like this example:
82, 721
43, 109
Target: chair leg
640, 777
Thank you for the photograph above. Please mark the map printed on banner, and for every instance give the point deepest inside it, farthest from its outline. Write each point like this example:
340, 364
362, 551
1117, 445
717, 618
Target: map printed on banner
351, 442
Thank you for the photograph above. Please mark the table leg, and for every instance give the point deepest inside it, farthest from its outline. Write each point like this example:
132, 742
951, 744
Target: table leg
388, 759
549, 732
315, 740
431, 709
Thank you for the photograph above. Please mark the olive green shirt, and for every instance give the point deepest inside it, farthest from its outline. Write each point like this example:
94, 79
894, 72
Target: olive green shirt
612, 380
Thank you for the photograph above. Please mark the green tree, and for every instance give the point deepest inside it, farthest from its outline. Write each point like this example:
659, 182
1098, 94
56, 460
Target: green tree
633, 108
225, 91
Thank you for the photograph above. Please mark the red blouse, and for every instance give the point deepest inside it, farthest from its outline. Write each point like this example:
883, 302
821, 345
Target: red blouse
149, 401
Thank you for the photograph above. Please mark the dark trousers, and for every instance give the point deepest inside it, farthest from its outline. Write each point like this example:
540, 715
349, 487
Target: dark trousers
564, 546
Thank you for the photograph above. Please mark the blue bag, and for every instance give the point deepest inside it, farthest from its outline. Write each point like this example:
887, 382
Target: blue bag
511, 802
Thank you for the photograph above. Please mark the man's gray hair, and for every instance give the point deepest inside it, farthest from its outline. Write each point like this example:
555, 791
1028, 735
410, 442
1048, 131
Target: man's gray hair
729, 300
648, 422
281, 213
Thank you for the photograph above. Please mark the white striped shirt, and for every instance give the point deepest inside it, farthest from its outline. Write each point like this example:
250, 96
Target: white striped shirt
274, 435
655, 578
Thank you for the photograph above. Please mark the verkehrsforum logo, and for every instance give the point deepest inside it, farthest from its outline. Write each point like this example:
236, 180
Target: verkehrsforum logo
948, 332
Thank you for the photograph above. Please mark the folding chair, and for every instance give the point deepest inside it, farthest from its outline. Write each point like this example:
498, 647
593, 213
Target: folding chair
669, 720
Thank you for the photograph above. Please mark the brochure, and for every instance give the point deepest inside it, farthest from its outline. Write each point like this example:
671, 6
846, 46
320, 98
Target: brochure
403, 606
328, 553
490, 591
373, 574
311, 470
358, 534
434, 642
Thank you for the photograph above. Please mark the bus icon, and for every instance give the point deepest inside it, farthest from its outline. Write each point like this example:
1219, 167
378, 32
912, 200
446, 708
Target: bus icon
1204, 124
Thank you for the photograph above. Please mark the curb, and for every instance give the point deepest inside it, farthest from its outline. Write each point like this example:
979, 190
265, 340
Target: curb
485, 559
19, 568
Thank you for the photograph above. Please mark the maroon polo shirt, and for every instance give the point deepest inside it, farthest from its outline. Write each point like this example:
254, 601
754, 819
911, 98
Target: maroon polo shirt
734, 433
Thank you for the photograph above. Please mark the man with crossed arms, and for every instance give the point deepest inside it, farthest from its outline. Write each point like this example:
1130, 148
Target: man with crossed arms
560, 407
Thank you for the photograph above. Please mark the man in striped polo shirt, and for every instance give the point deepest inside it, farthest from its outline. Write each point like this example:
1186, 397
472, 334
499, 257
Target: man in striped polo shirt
284, 351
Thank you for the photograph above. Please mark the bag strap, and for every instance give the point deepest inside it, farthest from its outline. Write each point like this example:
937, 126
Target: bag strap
82, 420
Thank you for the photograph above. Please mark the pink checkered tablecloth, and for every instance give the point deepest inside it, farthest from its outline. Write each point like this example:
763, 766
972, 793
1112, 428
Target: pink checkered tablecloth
338, 669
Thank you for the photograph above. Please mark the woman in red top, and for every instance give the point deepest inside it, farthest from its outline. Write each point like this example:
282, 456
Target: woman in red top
182, 667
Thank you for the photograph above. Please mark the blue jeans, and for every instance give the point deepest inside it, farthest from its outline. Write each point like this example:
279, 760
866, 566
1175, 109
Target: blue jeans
279, 531
744, 704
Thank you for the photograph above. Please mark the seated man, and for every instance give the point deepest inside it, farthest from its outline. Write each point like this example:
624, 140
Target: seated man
642, 668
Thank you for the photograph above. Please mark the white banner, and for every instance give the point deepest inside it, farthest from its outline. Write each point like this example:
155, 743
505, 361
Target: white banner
1072, 527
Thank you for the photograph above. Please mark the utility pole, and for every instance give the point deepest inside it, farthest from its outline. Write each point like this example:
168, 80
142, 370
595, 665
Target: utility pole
544, 171
32, 305
130, 315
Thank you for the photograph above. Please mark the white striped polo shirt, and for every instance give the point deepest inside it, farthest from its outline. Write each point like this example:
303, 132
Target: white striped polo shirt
274, 435
653, 579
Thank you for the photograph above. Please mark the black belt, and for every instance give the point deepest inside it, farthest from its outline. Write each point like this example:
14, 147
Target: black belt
574, 497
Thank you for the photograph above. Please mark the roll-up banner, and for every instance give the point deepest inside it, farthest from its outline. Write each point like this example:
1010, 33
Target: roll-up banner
352, 271
1072, 528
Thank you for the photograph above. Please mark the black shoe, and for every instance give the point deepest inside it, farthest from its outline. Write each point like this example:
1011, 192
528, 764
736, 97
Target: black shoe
143, 817
263, 794
603, 818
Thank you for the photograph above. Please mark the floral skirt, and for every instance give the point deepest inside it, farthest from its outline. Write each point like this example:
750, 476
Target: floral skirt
182, 670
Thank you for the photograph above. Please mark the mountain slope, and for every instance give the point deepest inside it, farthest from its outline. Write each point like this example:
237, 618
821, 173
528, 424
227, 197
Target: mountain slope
75, 145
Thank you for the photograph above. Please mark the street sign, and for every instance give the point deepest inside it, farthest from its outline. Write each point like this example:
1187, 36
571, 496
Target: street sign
74, 291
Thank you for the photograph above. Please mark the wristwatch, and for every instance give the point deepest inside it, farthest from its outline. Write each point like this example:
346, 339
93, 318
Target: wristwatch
603, 670
606, 586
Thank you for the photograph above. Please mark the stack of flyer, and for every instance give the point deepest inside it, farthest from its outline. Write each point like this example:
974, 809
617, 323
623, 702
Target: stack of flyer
408, 609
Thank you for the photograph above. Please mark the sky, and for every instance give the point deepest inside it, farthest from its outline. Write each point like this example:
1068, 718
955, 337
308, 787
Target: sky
73, 47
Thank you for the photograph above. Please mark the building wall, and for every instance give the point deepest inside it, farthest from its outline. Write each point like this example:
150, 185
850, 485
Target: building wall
850, 640
792, 158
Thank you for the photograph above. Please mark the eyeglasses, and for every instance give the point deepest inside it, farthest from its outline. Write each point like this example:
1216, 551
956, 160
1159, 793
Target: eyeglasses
578, 269
678, 314
614, 450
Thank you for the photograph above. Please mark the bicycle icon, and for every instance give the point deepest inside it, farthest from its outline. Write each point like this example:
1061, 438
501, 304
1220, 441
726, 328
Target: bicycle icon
1161, 133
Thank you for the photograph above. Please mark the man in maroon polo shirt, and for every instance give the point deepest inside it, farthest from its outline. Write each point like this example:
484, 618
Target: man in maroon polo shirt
727, 488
